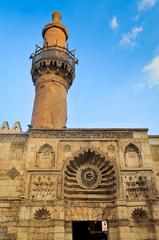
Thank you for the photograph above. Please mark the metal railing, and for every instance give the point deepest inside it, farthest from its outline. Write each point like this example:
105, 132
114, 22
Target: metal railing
54, 53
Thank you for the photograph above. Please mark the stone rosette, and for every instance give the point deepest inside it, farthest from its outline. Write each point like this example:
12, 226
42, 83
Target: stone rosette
89, 176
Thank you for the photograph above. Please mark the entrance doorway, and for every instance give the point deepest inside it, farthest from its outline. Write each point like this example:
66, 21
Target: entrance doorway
88, 230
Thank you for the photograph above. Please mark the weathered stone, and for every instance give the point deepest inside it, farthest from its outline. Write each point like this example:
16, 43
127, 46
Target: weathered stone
13, 173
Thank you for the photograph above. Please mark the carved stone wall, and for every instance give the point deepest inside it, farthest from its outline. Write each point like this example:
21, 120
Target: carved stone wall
50, 178
155, 152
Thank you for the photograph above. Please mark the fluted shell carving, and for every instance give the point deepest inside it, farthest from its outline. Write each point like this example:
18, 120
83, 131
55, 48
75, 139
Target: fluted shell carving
90, 176
139, 214
42, 213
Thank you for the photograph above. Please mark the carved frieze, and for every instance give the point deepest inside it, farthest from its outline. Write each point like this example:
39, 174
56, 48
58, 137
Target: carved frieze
21, 137
81, 134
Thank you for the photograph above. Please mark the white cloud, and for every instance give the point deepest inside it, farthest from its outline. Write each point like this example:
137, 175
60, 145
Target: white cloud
129, 38
152, 69
139, 86
145, 4
114, 23
152, 75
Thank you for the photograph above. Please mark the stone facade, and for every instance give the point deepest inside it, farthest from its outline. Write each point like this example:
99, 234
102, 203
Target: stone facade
50, 178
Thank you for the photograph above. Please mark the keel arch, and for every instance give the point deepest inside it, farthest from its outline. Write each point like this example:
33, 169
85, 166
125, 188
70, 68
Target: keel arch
90, 175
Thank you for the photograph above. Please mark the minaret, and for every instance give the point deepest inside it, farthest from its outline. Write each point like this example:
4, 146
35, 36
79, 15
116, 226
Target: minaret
53, 70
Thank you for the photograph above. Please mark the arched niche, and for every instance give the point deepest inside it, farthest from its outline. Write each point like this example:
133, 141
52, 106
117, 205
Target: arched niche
45, 157
132, 156
143, 226
90, 176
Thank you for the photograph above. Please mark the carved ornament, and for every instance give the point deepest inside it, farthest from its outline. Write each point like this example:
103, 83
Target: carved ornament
139, 214
90, 176
43, 187
80, 134
42, 213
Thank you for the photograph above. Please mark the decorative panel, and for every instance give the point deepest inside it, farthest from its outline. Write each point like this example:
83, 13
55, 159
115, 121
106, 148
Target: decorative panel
90, 176
43, 187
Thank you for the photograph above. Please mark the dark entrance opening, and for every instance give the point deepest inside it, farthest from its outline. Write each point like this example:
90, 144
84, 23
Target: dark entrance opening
88, 230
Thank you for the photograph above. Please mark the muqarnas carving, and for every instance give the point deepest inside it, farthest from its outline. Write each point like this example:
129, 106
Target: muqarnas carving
90, 176
132, 156
42, 213
45, 157
43, 187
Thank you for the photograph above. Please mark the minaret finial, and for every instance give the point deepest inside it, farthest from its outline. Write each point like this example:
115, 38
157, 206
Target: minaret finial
55, 31
56, 16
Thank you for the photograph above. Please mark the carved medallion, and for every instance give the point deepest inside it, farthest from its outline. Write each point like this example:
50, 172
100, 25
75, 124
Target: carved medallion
89, 176
67, 148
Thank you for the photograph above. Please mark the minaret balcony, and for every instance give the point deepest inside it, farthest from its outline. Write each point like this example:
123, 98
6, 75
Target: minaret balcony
53, 58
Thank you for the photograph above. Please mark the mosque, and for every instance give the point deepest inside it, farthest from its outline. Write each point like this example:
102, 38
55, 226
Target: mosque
59, 183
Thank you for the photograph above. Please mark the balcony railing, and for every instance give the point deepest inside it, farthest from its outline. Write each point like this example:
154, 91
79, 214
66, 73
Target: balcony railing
54, 53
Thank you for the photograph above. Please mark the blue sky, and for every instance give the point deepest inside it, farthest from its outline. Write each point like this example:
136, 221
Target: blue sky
117, 44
